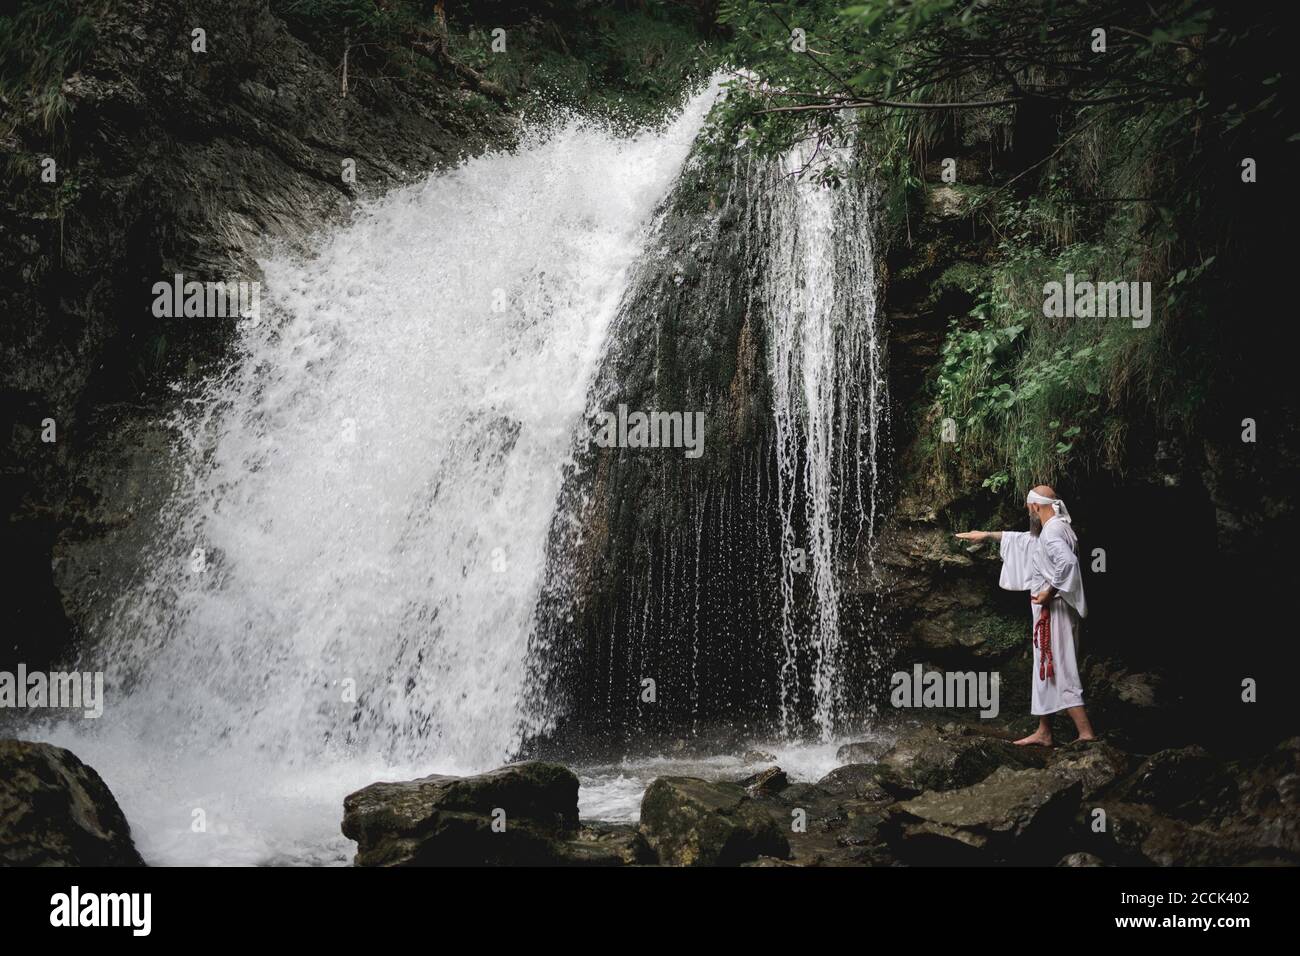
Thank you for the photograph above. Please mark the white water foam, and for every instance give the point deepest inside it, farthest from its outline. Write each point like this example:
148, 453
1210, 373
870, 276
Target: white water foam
345, 582
612, 792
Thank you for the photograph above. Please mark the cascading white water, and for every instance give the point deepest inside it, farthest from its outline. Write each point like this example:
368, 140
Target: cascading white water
825, 359
346, 578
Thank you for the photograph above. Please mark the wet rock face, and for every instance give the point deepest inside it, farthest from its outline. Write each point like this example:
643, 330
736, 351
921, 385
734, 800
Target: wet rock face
671, 568
523, 814
662, 566
691, 822
56, 811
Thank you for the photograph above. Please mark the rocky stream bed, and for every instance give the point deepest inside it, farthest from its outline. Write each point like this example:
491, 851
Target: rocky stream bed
942, 794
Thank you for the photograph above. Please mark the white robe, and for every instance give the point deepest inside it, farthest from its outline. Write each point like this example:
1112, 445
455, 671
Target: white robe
1031, 563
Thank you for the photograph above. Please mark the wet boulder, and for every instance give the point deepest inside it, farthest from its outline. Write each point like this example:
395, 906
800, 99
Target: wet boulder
1140, 835
766, 782
867, 781
605, 844
1019, 816
861, 824
57, 811
1095, 764
930, 759
692, 822
1186, 783
862, 751
1245, 813
1270, 798
522, 814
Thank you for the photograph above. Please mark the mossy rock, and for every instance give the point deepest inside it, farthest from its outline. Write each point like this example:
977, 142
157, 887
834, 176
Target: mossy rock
56, 811
692, 822
518, 814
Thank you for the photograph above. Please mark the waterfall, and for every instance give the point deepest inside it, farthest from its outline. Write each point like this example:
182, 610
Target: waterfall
344, 580
391, 548
825, 360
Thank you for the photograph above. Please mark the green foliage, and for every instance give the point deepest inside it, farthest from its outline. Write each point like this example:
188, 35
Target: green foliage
1106, 198
377, 37
631, 64
365, 18
1033, 396
40, 43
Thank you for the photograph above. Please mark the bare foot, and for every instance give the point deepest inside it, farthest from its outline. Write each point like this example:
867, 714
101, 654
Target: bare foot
1036, 739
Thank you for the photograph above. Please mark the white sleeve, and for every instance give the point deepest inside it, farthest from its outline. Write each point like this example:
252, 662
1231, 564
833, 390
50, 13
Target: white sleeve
1063, 571
1015, 560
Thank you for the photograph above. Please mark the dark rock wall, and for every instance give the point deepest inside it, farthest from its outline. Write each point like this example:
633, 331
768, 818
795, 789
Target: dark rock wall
664, 567
668, 569
1190, 524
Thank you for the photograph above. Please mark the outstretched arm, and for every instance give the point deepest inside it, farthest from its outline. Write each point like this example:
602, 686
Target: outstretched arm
1013, 547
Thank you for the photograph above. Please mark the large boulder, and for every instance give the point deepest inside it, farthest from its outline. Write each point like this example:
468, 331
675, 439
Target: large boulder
692, 822
1270, 798
1095, 764
522, 814
766, 782
933, 760
1186, 783
867, 781
1141, 835
862, 751
605, 844
1017, 816
1240, 813
56, 811
1139, 710
862, 821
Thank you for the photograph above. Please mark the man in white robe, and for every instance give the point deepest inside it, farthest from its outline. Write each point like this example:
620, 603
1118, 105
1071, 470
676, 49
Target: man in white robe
1044, 561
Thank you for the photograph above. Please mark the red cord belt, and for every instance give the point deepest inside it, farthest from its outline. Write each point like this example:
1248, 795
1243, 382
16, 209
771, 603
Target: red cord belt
1043, 641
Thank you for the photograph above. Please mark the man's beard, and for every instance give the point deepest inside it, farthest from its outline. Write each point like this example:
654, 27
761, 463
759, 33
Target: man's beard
1035, 525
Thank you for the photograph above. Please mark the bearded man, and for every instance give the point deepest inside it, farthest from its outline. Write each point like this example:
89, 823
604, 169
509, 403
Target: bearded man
1045, 562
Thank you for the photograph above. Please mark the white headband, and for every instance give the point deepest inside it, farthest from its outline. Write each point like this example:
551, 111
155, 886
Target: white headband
1058, 506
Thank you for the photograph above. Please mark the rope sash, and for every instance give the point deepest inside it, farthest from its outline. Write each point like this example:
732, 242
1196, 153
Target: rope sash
1043, 641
